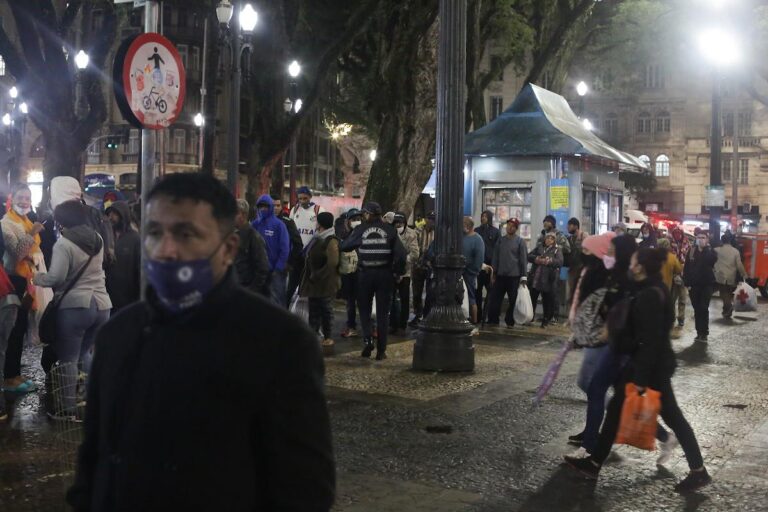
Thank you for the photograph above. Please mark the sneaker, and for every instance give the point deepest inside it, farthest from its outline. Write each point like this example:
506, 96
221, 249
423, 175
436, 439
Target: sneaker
328, 347
584, 465
367, 347
24, 387
576, 439
580, 453
348, 333
667, 449
72, 418
700, 338
475, 332
380, 356
694, 480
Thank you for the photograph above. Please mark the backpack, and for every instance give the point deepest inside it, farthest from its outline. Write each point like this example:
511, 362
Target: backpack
588, 323
620, 329
347, 263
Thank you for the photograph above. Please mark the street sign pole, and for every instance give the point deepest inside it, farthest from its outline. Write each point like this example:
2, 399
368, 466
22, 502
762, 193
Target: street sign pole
148, 171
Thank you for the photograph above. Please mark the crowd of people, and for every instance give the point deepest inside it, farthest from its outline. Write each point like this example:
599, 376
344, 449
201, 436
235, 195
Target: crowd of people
215, 261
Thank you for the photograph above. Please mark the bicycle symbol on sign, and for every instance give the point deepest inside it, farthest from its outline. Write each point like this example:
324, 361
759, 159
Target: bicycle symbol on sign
155, 100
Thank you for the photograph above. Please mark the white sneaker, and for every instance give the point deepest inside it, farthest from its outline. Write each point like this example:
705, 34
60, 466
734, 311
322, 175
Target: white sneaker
666, 450
581, 453
475, 332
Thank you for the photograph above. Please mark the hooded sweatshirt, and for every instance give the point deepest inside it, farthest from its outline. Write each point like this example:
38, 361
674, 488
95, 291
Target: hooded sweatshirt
490, 236
123, 282
70, 254
275, 235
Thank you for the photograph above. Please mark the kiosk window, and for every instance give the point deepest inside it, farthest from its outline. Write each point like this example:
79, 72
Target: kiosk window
510, 203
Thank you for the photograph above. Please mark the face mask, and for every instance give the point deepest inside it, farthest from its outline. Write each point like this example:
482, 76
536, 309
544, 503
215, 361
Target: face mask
355, 223
21, 211
609, 262
181, 285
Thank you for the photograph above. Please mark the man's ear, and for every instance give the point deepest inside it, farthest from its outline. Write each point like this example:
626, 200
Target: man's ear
231, 245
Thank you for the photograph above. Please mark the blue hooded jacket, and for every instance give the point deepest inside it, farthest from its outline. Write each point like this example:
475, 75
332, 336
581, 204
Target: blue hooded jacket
275, 235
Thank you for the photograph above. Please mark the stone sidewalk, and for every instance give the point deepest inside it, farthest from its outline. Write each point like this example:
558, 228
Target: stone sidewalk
411, 441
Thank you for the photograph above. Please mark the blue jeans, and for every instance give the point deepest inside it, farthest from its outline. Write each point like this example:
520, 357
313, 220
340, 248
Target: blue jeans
608, 368
277, 287
592, 357
76, 331
7, 321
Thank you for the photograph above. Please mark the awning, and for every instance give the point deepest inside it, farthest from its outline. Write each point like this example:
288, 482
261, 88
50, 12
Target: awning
541, 123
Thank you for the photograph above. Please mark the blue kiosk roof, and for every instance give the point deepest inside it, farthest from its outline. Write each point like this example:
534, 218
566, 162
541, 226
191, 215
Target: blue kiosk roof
541, 123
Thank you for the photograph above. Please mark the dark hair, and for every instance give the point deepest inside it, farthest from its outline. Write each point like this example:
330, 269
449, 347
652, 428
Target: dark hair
652, 260
276, 197
595, 277
574, 221
70, 214
625, 246
199, 187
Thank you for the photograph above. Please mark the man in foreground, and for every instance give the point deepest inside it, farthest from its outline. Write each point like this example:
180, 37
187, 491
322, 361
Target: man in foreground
204, 396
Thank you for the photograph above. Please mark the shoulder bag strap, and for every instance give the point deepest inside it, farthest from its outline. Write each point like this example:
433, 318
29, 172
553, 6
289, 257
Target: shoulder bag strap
77, 277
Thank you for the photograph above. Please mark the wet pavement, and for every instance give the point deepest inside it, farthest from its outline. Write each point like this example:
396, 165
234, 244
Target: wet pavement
411, 441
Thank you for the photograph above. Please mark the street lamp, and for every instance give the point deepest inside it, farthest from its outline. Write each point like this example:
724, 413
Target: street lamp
373, 155
13, 92
444, 342
81, 60
587, 124
722, 50
297, 105
7, 119
581, 88
199, 120
238, 41
294, 69
24, 108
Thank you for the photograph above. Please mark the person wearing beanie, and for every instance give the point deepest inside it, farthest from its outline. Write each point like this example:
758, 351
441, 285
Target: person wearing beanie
490, 236
304, 215
561, 241
572, 260
321, 280
382, 262
547, 259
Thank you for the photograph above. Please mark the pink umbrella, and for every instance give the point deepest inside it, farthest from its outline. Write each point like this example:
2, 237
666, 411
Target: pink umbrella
551, 375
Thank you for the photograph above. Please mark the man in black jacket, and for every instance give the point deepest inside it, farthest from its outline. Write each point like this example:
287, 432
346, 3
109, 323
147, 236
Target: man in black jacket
699, 277
123, 281
251, 264
296, 257
206, 396
490, 236
382, 257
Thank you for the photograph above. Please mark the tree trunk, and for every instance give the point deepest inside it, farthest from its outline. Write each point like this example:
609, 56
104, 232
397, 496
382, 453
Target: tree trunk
61, 158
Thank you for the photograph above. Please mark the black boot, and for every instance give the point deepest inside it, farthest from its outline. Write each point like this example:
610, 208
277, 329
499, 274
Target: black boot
367, 347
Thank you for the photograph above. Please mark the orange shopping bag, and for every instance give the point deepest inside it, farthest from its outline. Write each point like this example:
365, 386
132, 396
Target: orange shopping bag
639, 417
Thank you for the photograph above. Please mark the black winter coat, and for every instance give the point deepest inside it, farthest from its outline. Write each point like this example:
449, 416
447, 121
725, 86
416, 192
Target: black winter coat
123, 276
252, 264
221, 408
652, 319
699, 267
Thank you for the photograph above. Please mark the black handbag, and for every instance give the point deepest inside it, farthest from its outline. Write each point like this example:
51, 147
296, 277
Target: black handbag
47, 328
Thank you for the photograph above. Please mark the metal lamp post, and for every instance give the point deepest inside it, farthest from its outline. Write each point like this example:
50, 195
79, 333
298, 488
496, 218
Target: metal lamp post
239, 45
722, 50
14, 120
582, 89
82, 60
444, 342
293, 105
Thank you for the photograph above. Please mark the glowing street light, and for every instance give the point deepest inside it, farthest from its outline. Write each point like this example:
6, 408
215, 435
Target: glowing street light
373, 155
7, 119
587, 124
224, 12
294, 69
199, 120
248, 18
81, 60
582, 89
24, 108
721, 48
13, 92
297, 105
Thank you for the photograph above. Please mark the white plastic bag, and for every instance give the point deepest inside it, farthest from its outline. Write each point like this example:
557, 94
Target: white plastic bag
465, 300
300, 307
744, 298
42, 297
523, 307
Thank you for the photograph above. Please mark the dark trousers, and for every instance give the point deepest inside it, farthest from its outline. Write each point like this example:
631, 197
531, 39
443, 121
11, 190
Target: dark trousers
16, 345
378, 283
534, 296
670, 413
400, 304
294, 280
549, 302
349, 292
321, 315
504, 285
483, 283
700, 297
419, 278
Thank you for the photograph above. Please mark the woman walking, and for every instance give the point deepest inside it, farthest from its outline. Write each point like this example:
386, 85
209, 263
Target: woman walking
651, 365
76, 265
